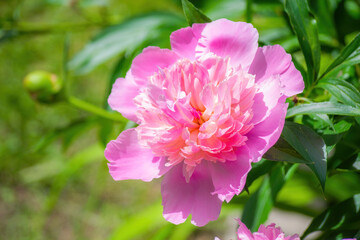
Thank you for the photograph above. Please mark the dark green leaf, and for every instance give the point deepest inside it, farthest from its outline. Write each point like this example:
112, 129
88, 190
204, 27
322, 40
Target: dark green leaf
258, 207
105, 131
323, 107
345, 53
193, 14
283, 151
124, 38
248, 11
309, 145
345, 215
258, 169
343, 91
306, 30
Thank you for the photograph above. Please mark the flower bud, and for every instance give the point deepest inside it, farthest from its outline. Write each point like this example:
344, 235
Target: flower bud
43, 86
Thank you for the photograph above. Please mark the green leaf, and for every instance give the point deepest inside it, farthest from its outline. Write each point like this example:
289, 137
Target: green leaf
306, 30
124, 38
258, 169
324, 118
193, 14
283, 151
343, 91
333, 136
345, 53
324, 15
139, 224
353, 59
248, 11
183, 231
324, 107
345, 215
259, 205
309, 145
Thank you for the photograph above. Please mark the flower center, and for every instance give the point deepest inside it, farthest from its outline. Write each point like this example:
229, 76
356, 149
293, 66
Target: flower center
194, 111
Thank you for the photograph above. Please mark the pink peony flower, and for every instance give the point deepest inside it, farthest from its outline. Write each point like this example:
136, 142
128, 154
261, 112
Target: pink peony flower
205, 110
269, 232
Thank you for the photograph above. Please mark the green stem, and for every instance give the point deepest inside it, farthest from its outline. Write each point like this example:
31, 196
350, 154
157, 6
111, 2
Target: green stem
248, 11
95, 110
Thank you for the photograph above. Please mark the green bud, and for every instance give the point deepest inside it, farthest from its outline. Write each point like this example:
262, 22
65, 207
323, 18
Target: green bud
43, 86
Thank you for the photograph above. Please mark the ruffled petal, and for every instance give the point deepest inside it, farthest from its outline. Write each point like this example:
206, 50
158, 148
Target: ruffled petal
150, 61
181, 198
266, 133
229, 177
266, 98
273, 60
236, 40
129, 160
243, 233
184, 40
122, 97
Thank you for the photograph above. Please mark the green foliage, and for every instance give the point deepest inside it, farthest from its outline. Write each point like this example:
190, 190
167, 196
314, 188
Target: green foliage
193, 14
342, 216
345, 53
259, 205
124, 38
310, 146
305, 28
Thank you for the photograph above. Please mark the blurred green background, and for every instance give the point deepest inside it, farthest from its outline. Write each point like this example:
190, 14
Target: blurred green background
54, 181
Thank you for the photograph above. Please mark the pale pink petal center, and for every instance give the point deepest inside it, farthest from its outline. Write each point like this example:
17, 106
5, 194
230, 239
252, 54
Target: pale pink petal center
196, 110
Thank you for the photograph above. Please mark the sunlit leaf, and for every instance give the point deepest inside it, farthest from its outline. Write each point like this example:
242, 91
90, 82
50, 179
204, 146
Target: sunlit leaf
258, 207
124, 37
323, 107
193, 14
345, 53
343, 91
306, 30
183, 231
309, 145
333, 136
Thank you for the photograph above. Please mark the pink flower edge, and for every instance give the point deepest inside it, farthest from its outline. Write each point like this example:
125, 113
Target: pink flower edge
270, 232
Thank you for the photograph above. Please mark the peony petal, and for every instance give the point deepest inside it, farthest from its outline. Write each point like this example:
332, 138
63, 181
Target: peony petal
129, 160
229, 177
184, 40
236, 40
150, 61
266, 133
273, 60
266, 98
121, 97
181, 198
243, 233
